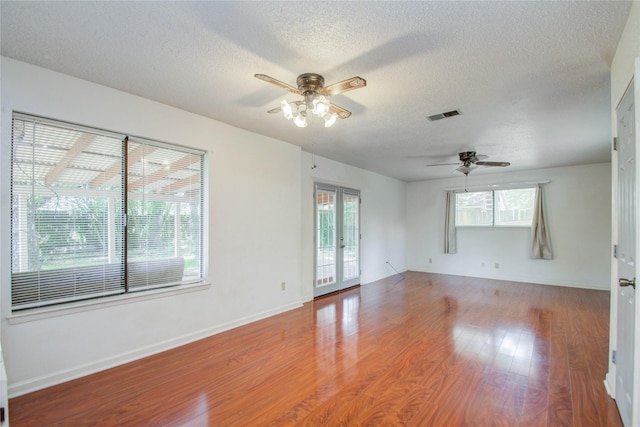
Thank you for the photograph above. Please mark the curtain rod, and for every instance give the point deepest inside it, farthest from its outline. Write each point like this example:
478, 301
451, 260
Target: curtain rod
497, 186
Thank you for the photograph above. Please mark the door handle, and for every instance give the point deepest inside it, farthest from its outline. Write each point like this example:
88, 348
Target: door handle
342, 246
627, 282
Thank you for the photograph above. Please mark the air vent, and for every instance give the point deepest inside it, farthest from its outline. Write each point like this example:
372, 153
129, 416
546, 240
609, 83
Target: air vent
444, 115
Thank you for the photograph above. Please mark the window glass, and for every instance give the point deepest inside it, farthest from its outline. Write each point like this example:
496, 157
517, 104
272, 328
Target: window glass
509, 207
474, 208
71, 236
514, 206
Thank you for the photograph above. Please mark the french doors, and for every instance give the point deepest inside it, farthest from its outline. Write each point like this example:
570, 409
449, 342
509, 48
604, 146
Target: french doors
337, 238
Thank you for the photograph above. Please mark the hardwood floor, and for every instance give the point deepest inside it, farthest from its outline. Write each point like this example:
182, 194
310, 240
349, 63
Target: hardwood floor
427, 350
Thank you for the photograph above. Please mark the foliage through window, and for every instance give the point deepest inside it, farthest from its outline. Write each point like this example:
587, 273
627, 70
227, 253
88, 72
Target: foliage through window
508, 207
72, 237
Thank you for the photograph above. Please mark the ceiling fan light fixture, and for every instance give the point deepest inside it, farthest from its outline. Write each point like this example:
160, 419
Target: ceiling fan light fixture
465, 169
330, 119
321, 106
287, 110
300, 120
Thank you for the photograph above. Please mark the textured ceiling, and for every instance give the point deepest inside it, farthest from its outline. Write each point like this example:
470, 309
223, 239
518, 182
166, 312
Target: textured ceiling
531, 78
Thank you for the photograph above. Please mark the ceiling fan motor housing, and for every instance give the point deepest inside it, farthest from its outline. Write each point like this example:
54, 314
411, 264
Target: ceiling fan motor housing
468, 157
310, 83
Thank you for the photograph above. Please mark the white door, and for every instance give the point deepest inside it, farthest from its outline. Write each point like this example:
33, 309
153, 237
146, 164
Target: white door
337, 238
626, 254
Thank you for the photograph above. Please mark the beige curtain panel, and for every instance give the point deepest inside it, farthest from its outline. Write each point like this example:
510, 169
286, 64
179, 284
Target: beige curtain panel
450, 246
540, 241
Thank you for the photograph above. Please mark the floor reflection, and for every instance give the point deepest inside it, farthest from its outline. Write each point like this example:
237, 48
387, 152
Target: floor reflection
337, 320
518, 348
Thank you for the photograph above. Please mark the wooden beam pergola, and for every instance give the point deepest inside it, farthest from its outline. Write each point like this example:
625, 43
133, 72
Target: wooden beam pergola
82, 142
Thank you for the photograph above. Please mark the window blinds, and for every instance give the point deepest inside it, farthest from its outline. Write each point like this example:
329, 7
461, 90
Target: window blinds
70, 239
66, 209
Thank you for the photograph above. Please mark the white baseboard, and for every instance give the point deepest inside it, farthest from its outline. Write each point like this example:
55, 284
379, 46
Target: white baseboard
609, 385
537, 281
44, 381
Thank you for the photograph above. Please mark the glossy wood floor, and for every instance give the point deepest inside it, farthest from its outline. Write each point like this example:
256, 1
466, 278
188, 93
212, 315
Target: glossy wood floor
427, 350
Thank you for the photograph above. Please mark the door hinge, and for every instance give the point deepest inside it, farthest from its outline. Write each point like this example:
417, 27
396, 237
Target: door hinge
615, 251
613, 357
615, 143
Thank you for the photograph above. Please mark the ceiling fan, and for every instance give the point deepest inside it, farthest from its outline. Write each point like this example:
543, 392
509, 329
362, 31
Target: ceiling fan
469, 160
311, 87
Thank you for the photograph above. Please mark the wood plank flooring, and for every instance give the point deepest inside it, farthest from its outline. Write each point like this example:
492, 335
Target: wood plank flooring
426, 350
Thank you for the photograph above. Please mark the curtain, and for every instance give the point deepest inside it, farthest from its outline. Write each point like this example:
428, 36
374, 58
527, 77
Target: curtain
450, 224
540, 241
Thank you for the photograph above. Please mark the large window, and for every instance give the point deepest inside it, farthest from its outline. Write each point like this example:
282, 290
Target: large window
508, 207
95, 214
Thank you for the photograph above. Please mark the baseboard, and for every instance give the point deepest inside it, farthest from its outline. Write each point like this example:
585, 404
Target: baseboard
520, 279
381, 277
609, 386
44, 381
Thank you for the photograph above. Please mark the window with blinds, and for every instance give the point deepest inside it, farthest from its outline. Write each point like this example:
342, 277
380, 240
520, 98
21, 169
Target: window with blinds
96, 214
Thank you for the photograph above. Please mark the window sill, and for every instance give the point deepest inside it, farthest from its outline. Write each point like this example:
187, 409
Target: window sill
63, 310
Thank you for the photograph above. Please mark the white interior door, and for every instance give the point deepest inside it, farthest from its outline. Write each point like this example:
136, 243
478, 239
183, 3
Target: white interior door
337, 238
626, 254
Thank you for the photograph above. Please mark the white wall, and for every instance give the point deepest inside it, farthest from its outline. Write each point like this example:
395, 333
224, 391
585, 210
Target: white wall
260, 231
254, 234
382, 221
578, 215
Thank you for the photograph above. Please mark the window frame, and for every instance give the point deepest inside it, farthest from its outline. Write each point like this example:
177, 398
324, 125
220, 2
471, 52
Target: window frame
492, 191
81, 302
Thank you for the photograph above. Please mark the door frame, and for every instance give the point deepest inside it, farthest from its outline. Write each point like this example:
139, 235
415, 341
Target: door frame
339, 224
611, 378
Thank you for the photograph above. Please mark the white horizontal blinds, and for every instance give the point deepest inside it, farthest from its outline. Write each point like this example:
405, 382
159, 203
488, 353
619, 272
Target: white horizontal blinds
66, 210
164, 211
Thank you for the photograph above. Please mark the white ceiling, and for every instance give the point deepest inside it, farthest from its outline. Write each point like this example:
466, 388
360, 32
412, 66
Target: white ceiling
531, 78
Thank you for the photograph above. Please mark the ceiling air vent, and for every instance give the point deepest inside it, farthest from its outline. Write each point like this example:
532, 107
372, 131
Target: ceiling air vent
445, 115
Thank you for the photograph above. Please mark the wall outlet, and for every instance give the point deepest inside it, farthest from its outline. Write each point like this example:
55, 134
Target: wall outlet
430, 260
497, 265
283, 286
482, 264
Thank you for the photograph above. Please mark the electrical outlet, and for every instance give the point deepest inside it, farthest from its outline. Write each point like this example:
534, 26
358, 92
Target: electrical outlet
430, 260
497, 265
283, 286
482, 264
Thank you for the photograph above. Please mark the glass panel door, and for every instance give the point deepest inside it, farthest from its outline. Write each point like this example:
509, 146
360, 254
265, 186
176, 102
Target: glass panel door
326, 201
350, 239
337, 238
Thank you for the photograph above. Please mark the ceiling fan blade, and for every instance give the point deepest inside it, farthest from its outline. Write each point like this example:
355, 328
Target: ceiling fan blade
444, 164
277, 82
503, 164
341, 112
344, 86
